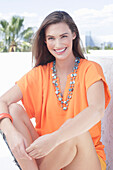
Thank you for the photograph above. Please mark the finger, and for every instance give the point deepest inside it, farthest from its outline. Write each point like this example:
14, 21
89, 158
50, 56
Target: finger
33, 153
24, 155
29, 149
36, 156
16, 151
24, 148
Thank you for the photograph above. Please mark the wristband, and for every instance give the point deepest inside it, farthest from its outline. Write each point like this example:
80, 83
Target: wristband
6, 115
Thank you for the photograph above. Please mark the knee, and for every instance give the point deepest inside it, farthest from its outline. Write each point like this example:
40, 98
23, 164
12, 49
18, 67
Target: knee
15, 110
71, 149
84, 142
61, 156
83, 138
67, 147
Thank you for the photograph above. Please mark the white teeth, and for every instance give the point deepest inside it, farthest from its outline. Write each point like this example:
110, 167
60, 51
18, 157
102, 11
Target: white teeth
59, 51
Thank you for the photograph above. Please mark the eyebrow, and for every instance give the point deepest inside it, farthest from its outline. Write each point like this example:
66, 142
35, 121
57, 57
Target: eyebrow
60, 35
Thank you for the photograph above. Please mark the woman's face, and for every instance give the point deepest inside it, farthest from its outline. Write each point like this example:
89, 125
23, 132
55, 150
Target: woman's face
59, 40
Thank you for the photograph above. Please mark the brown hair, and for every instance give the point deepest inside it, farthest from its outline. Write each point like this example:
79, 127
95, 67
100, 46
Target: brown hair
39, 49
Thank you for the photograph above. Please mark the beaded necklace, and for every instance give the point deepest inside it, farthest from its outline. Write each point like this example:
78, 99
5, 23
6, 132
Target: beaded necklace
64, 104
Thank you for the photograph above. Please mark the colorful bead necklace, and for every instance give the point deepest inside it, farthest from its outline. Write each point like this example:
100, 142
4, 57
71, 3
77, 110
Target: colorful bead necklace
64, 104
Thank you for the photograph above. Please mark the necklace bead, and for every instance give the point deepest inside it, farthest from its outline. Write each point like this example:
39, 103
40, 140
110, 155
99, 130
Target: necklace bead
57, 92
64, 108
64, 104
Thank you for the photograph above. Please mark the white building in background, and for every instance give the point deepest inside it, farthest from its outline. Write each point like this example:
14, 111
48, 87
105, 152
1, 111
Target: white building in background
96, 41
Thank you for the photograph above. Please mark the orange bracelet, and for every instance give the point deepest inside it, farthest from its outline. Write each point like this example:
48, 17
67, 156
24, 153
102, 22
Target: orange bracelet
6, 115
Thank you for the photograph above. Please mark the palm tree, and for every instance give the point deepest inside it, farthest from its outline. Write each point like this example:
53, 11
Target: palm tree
13, 35
4, 37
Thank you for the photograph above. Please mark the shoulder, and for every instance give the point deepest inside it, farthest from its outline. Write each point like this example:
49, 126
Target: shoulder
39, 70
89, 65
34, 77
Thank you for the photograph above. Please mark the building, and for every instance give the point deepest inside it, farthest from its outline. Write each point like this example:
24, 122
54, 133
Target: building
96, 41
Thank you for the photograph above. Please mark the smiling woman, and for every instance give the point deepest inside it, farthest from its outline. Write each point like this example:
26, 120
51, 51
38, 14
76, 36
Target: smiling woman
46, 34
66, 94
59, 41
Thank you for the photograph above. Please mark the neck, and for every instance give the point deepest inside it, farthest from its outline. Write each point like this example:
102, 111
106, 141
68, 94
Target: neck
65, 67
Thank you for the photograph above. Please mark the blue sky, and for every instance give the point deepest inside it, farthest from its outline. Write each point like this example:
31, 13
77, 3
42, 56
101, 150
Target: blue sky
90, 16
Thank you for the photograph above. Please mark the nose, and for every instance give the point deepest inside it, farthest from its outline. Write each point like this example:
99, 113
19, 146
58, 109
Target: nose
57, 43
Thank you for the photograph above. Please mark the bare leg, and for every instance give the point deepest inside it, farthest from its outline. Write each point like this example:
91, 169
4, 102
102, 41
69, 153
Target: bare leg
25, 127
76, 154
86, 157
61, 156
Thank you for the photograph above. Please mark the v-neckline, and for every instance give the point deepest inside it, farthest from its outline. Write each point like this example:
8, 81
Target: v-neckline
67, 86
64, 95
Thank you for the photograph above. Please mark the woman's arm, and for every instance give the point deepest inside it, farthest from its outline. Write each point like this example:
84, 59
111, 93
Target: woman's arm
74, 126
15, 139
88, 117
11, 96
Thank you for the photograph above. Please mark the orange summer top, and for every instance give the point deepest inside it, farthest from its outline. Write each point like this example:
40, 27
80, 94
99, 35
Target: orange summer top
40, 100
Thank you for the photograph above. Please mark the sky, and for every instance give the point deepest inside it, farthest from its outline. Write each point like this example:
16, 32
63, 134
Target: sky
92, 17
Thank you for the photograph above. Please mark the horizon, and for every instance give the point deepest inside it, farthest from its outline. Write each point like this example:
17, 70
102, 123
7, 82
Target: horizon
94, 17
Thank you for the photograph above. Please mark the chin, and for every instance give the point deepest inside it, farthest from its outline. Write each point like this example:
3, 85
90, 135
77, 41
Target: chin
61, 58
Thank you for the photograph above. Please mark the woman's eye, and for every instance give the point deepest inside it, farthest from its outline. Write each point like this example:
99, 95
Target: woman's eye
64, 36
50, 38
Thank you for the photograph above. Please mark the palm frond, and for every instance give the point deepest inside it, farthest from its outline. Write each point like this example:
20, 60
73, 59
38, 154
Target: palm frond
13, 34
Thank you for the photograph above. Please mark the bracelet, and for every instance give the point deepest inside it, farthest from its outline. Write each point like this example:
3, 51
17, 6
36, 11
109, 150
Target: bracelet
6, 115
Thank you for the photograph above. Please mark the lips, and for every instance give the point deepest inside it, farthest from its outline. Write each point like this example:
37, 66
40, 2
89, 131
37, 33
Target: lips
59, 51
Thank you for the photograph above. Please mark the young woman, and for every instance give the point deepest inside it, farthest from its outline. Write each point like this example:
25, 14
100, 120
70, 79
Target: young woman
66, 94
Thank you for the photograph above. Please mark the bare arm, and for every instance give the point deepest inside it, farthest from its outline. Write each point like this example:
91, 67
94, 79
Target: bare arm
88, 117
11, 96
74, 126
15, 139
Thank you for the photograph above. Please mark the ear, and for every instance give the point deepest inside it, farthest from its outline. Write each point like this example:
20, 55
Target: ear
74, 35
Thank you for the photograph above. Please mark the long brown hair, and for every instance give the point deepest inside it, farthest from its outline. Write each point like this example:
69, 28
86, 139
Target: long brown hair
40, 53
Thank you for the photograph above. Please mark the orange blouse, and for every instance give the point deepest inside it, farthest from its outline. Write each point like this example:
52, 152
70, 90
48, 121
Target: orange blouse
40, 100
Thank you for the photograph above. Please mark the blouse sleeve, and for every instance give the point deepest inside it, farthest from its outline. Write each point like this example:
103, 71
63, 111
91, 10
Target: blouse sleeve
31, 88
93, 74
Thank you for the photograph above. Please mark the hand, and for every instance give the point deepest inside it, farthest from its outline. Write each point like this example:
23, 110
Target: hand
17, 144
42, 146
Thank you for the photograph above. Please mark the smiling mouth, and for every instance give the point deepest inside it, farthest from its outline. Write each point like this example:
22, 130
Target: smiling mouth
60, 50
